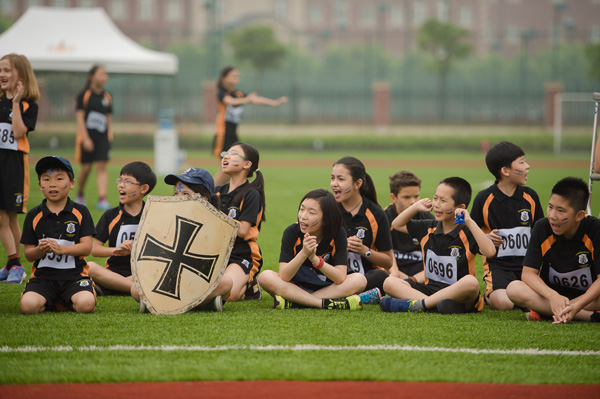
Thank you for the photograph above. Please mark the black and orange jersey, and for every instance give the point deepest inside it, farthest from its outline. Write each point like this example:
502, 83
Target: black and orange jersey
96, 106
66, 228
228, 117
370, 225
249, 209
333, 252
568, 266
447, 257
407, 249
117, 226
29, 111
513, 216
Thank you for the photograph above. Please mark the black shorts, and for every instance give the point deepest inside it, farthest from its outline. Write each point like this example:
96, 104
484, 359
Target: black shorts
14, 181
427, 289
245, 262
101, 148
497, 278
230, 139
375, 279
59, 291
410, 268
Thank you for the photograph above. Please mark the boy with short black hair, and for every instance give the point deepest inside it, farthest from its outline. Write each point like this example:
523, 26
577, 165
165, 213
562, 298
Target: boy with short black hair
561, 269
405, 190
118, 226
449, 244
506, 211
57, 235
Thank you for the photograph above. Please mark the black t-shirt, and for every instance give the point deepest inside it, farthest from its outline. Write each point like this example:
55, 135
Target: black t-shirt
96, 106
29, 111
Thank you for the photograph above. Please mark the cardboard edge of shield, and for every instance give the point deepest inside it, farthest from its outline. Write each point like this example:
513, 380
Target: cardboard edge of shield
134, 248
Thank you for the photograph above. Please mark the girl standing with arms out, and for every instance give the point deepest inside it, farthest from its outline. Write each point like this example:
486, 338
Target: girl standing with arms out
368, 230
244, 202
230, 107
313, 260
94, 133
19, 94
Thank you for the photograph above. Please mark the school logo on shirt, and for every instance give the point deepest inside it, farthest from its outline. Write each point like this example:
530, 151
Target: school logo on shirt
583, 259
360, 233
232, 213
326, 257
105, 102
455, 252
84, 283
415, 241
70, 228
525, 215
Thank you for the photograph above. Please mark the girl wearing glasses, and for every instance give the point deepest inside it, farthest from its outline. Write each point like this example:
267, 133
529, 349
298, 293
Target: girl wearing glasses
244, 202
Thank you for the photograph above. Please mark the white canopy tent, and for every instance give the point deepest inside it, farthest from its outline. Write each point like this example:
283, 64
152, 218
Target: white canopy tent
74, 39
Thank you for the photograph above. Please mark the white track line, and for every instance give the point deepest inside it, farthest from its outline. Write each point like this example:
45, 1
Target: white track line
307, 348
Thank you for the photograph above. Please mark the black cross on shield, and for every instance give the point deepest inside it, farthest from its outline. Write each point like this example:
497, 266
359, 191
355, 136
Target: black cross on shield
177, 257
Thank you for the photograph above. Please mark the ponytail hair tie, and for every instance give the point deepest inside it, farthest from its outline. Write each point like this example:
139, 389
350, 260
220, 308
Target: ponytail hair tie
257, 170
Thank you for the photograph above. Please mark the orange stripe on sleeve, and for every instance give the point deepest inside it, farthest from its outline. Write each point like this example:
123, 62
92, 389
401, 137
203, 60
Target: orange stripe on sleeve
78, 215
486, 210
115, 221
588, 244
547, 244
470, 255
528, 198
36, 219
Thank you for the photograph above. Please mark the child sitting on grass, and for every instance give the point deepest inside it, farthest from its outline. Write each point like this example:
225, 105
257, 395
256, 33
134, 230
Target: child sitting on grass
449, 243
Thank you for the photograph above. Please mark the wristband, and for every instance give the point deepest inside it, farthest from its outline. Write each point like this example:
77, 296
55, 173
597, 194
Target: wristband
320, 264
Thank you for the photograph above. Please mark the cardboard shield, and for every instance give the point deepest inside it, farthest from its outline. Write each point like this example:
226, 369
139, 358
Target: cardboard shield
180, 252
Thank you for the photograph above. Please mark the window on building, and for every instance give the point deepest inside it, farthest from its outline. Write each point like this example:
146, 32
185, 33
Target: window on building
396, 15
118, 9
512, 34
367, 17
341, 13
60, 3
466, 17
146, 9
419, 13
86, 3
314, 14
174, 10
595, 34
443, 10
8, 6
281, 9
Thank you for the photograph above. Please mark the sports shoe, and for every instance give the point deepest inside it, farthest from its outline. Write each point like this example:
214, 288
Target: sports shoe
535, 316
80, 199
103, 205
449, 306
16, 275
281, 303
395, 305
351, 302
4, 273
370, 297
253, 290
216, 305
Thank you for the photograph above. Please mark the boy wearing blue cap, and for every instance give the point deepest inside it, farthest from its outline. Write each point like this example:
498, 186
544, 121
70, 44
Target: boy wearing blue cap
118, 226
57, 235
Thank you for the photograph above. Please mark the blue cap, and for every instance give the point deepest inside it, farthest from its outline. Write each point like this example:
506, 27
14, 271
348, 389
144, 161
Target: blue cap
48, 163
194, 176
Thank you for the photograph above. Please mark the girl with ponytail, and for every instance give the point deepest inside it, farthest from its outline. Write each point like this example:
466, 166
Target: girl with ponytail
244, 202
369, 241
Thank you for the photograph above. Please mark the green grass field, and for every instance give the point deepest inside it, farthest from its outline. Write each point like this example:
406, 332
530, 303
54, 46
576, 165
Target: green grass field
250, 340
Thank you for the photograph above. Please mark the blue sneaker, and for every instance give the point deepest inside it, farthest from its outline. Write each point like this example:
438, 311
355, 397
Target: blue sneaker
371, 297
394, 305
16, 275
4, 273
103, 205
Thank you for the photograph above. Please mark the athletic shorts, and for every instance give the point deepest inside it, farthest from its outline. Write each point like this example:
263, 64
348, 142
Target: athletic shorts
230, 138
375, 279
308, 287
59, 291
410, 269
14, 181
101, 148
245, 262
434, 286
498, 278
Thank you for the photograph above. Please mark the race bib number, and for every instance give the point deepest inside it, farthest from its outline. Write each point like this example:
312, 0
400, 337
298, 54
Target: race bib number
234, 114
579, 279
58, 261
7, 138
355, 264
516, 241
96, 121
126, 232
408, 256
441, 268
